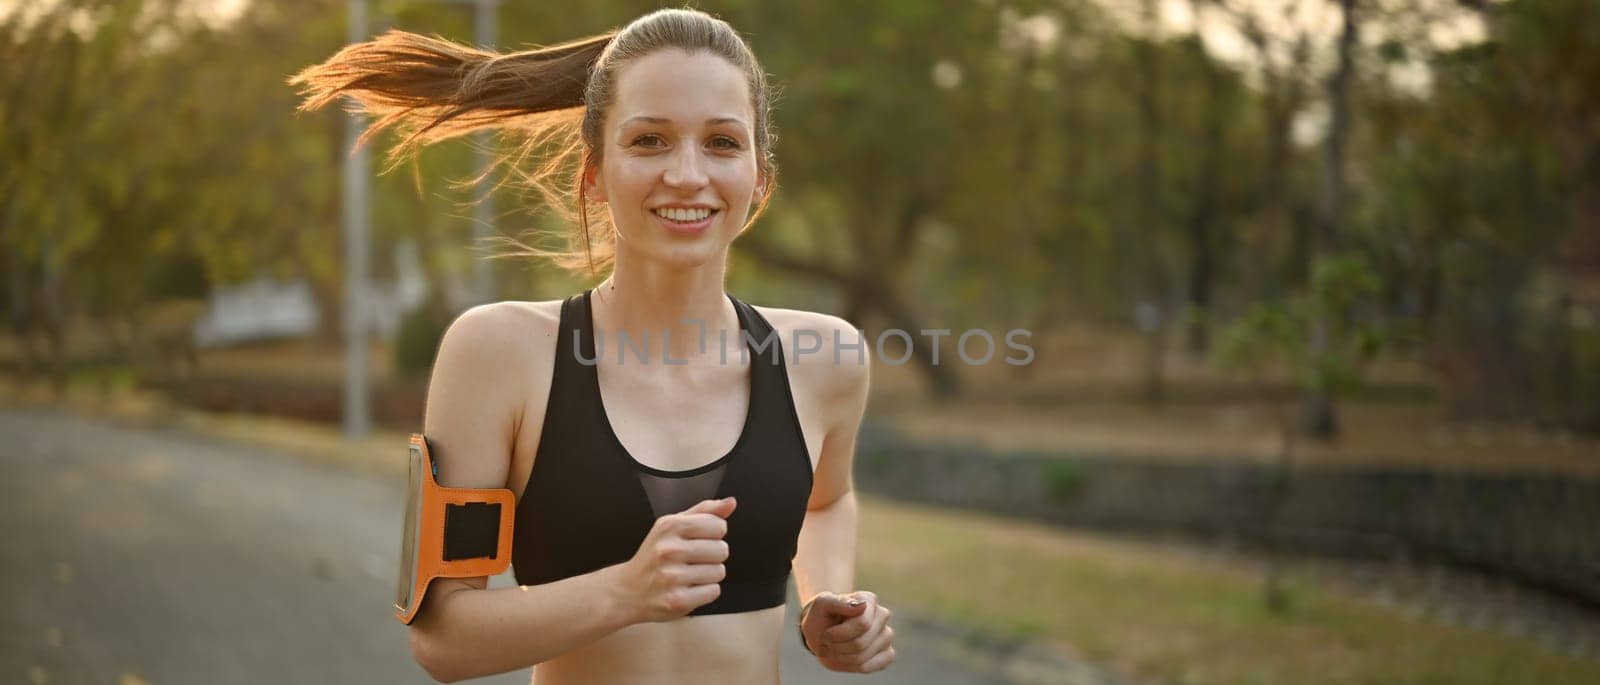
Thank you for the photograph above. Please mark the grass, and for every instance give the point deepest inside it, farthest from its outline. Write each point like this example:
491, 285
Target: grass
1166, 616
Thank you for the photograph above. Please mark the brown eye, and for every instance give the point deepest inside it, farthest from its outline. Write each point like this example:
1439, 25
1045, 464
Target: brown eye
731, 143
647, 136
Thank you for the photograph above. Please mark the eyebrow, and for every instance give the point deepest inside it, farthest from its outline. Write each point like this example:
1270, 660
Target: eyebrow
660, 120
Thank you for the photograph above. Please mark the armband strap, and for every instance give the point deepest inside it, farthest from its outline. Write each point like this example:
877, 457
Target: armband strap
449, 532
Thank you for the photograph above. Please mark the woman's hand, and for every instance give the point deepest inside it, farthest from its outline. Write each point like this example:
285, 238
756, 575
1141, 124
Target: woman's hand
680, 563
849, 633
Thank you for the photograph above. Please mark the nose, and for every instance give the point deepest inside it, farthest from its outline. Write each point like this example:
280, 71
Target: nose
685, 171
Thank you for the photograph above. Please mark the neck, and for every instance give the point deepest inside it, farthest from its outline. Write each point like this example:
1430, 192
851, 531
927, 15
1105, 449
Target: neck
646, 301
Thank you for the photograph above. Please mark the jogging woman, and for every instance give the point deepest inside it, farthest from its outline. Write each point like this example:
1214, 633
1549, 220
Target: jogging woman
673, 458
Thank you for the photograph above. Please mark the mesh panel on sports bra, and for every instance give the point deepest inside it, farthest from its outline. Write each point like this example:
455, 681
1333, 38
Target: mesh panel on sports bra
672, 494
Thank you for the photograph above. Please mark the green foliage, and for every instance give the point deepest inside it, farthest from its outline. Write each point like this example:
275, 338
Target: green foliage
179, 276
1340, 298
1064, 478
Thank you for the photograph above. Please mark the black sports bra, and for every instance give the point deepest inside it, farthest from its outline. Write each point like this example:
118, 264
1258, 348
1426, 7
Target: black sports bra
588, 504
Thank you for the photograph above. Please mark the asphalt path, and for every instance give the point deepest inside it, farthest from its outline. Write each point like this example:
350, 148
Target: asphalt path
141, 556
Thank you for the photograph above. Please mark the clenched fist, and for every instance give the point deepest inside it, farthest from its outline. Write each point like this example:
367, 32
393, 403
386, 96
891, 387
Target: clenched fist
848, 633
680, 563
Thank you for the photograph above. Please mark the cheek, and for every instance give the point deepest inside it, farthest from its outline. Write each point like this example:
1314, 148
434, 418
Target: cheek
635, 174
736, 174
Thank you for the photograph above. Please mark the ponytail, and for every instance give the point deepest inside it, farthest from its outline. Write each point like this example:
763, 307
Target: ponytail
431, 89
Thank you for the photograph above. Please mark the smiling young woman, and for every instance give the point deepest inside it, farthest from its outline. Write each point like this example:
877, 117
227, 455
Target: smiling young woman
661, 507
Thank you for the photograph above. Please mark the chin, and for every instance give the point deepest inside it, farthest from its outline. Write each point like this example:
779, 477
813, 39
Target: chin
667, 249
686, 255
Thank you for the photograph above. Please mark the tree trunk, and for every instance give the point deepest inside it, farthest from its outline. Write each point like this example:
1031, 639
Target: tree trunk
1153, 317
20, 312
1202, 248
55, 318
1321, 422
933, 356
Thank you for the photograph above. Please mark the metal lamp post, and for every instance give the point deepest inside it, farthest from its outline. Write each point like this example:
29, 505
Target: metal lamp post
357, 219
357, 214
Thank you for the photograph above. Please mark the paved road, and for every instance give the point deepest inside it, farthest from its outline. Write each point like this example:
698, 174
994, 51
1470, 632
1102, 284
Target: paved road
134, 556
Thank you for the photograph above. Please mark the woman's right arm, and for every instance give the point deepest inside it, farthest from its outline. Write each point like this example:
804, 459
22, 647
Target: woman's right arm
486, 368
488, 361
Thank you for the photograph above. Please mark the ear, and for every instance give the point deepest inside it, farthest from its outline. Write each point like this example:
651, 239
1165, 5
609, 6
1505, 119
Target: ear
761, 184
594, 185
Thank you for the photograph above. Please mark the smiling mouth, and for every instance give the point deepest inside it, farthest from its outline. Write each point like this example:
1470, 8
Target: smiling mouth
684, 216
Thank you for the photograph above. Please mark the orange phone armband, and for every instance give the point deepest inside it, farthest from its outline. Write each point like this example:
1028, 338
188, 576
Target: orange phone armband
449, 532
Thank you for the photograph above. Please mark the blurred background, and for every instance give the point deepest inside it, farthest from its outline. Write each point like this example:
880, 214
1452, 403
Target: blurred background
1313, 288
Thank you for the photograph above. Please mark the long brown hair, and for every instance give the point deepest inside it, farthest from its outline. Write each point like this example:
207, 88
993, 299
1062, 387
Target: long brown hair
552, 100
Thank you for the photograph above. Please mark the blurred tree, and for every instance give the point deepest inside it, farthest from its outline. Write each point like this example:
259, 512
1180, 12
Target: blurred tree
944, 165
1202, 222
869, 193
1479, 204
1320, 421
1152, 289
1342, 295
1280, 64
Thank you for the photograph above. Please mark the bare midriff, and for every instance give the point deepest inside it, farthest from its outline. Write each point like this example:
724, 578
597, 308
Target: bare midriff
736, 649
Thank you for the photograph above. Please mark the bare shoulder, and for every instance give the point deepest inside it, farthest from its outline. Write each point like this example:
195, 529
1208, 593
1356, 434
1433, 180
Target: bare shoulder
517, 314
825, 352
500, 341
499, 333
522, 319
490, 361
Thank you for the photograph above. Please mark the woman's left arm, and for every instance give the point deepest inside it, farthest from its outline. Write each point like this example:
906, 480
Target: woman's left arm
847, 630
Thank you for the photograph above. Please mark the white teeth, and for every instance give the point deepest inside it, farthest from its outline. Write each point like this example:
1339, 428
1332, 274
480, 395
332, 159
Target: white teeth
677, 214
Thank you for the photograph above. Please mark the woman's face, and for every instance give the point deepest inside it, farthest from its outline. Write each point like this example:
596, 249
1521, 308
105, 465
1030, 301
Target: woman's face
679, 140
